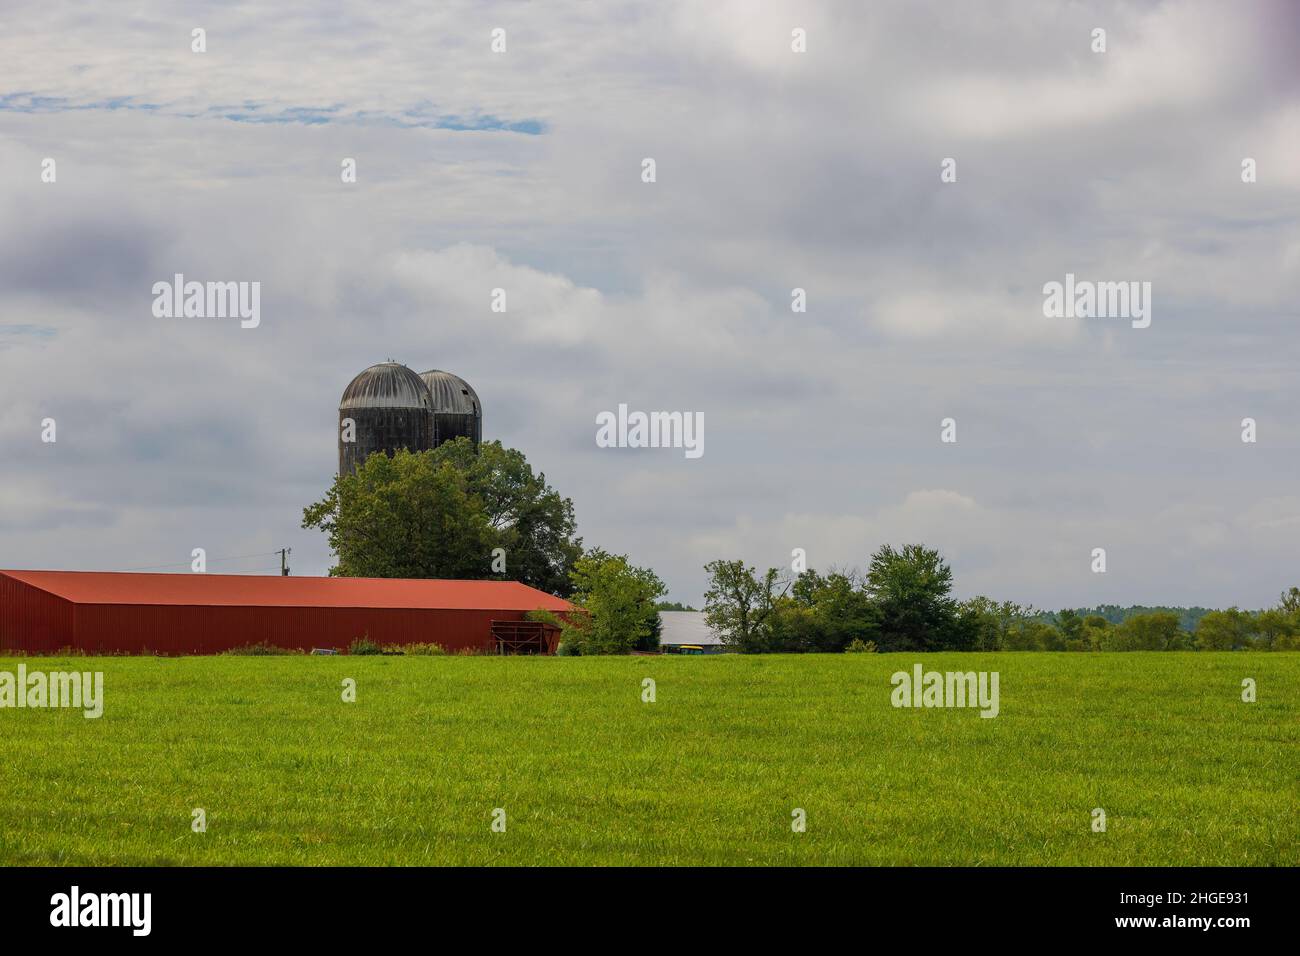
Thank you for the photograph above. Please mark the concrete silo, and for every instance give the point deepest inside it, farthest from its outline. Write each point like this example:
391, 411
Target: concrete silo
457, 411
390, 408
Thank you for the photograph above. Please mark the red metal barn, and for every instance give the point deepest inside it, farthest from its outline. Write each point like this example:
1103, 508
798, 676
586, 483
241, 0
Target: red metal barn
101, 612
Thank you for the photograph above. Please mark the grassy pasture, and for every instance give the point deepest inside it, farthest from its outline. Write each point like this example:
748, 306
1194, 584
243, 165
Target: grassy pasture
709, 773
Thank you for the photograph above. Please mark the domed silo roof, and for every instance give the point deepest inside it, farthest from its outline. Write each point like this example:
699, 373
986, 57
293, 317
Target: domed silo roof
457, 412
452, 395
384, 409
386, 385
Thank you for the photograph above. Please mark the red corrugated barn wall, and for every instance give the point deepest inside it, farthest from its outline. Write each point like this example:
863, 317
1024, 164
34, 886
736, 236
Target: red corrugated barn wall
108, 612
208, 630
33, 620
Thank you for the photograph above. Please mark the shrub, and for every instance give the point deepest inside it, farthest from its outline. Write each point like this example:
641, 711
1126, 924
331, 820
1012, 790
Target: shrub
1156, 631
262, 649
859, 646
364, 645
419, 649
1287, 642
1031, 635
566, 649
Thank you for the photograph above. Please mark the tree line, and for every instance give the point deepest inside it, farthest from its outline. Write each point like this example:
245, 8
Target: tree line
903, 602
458, 511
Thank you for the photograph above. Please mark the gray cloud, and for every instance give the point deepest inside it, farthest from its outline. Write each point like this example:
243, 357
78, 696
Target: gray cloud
776, 170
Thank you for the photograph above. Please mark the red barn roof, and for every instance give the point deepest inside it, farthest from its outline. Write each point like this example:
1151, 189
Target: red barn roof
237, 590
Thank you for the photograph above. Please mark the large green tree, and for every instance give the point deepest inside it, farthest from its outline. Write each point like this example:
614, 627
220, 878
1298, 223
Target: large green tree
618, 606
1096, 629
1070, 624
1274, 628
825, 614
983, 624
451, 512
912, 588
404, 517
739, 605
1229, 630
530, 520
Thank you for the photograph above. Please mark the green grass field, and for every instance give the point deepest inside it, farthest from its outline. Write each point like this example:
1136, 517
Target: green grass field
709, 773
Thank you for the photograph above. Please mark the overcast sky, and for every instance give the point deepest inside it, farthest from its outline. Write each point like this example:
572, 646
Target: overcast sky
775, 170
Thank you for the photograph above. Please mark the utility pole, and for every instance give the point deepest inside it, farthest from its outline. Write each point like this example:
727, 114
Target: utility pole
284, 561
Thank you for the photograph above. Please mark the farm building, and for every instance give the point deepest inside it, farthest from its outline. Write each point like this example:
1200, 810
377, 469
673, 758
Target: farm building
684, 632
104, 612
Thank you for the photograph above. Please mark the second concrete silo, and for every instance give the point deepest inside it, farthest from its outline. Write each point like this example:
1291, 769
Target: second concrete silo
390, 408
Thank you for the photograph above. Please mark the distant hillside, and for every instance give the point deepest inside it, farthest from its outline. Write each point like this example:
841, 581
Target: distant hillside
1187, 616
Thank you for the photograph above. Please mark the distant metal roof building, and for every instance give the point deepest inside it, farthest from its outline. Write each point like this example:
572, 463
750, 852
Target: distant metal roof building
42, 611
686, 628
